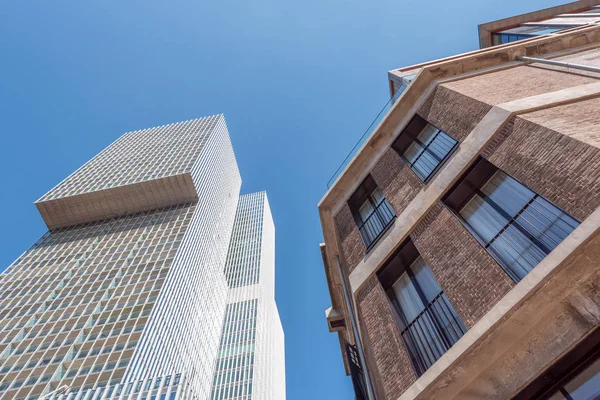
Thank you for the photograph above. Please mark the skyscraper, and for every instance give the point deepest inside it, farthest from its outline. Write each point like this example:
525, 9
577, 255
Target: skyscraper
135, 289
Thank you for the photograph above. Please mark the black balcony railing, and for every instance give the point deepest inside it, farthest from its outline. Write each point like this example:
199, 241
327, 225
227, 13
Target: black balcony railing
432, 333
376, 223
356, 371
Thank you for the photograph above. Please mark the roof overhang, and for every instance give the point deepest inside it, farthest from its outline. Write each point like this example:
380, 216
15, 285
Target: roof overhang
117, 201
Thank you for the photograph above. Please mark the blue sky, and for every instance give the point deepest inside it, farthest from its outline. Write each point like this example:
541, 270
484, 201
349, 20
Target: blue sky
298, 83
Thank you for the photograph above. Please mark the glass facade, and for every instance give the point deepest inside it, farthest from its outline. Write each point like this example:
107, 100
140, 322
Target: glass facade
235, 360
132, 304
250, 361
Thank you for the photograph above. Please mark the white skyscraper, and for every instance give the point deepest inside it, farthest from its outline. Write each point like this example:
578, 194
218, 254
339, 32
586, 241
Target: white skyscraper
250, 359
126, 295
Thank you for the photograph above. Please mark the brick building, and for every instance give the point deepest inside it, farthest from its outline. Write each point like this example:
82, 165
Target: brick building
462, 245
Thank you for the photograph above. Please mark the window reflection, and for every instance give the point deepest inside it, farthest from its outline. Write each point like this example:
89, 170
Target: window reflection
585, 386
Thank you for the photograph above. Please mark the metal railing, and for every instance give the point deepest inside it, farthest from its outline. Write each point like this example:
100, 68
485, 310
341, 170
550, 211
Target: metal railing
432, 333
376, 223
384, 111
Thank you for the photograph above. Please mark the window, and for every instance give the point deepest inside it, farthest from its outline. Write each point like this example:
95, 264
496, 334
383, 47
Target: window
424, 147
372, 212
429, 323
356, 371
517, 226
575, 376
524, 32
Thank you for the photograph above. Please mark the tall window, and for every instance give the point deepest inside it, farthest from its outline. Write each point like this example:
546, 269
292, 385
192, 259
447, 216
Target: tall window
430, 325
372, 212
424, 147
375, 215
516, 225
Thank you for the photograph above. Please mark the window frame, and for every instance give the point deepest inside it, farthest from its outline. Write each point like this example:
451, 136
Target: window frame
363, 194
410, 134
395, 266
457, 197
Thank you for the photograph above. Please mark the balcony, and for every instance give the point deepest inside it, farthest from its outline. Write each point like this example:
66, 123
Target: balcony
432, 333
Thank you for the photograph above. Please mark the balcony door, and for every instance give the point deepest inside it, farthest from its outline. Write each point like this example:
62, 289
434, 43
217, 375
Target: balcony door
431, 325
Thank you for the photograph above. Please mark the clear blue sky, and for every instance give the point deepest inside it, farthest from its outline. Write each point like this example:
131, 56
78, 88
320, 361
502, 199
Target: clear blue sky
298, 83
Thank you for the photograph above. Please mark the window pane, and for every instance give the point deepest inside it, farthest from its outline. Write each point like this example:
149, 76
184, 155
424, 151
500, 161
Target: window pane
413, 152
483, 218
425, 279
427, 134
429, 149
509, 194
365, 210
586, 386
408, 298
515, 224
377, 196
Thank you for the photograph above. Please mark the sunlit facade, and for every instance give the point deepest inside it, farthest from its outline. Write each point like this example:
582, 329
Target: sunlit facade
250, 362
126, 295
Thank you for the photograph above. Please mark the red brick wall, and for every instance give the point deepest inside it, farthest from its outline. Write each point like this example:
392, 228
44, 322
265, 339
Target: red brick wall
562, 169
352, 246
469, 276
394, 373
452, 112
396, 180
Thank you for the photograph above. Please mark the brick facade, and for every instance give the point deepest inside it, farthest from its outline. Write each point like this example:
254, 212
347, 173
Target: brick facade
394, 373
516, 83
352, 246
452, 112
560, 161
398, 183
560, 168
469, 276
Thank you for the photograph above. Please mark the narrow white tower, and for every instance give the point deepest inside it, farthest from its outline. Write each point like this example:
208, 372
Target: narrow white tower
251, 360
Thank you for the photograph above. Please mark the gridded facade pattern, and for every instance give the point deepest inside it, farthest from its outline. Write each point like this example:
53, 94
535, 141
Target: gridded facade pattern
170, 387
76, 303
139, 156
251, 355
183, 333
243, 259
235, 360
131, 303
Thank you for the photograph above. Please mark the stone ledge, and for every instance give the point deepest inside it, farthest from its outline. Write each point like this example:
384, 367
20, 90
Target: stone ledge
117, 201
